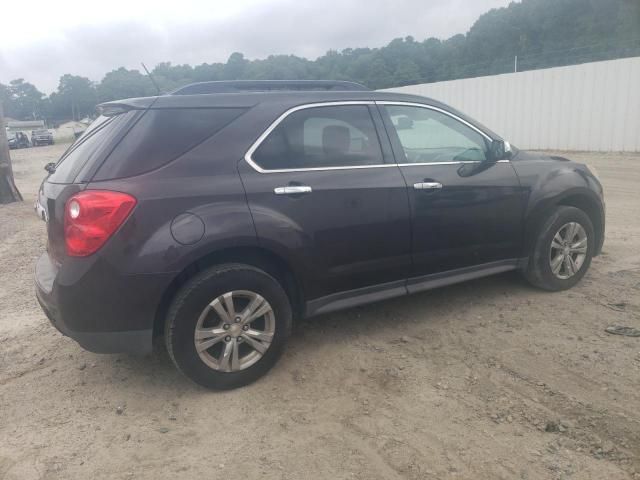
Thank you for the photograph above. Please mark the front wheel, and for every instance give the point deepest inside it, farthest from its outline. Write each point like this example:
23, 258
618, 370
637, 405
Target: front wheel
228, 326
563, 250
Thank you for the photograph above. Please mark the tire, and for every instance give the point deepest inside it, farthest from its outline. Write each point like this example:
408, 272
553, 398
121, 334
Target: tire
539, 270
192, 309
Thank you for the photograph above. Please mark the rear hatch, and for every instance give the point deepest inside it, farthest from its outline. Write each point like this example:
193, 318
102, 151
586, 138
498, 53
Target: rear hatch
133, 137
75, 168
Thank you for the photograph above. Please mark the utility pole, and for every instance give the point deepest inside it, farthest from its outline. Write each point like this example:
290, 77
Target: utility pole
515, 64
8, 191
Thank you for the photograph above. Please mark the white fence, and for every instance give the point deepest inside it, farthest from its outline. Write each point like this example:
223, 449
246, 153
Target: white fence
593, 106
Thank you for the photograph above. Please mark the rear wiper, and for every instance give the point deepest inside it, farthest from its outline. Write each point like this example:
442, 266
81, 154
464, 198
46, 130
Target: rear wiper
50, 167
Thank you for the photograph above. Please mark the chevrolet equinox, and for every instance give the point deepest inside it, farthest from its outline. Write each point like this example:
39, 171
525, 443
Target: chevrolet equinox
216, 214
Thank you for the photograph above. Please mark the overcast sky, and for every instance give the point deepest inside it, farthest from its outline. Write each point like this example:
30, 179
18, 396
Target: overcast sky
47, 39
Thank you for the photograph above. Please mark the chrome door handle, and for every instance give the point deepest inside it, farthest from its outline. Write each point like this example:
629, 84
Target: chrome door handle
292, 189
427, 185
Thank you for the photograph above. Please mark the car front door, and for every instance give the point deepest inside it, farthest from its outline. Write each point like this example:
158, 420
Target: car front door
325, 193
466, 209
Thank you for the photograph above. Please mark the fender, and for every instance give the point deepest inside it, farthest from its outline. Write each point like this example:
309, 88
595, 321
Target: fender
551, 181
289, 241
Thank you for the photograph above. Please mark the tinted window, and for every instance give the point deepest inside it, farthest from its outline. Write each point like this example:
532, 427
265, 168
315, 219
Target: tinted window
162, 136
429, 136
90, 147
321, 137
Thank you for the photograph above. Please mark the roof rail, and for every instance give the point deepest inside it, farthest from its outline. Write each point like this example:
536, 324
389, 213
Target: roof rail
237, 86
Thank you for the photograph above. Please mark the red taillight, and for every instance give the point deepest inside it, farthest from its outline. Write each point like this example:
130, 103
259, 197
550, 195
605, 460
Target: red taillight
91, 217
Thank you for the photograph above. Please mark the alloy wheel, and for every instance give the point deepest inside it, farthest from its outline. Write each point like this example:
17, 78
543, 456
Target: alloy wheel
234, 331
568, 250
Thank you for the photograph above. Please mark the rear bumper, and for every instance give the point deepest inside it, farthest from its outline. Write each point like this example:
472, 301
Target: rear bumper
103, 311
137, 342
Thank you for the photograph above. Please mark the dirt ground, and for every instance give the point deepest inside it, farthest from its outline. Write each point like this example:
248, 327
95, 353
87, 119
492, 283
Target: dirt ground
490, 379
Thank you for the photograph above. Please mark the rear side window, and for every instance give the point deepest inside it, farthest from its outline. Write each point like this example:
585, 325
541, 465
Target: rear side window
161, 136
90, 147
321, 137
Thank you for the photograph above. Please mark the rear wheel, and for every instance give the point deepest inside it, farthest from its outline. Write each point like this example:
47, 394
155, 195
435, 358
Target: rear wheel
562, 253
228, 326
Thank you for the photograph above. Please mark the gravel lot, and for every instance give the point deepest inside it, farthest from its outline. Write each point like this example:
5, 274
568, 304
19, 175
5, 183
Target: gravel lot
490, 379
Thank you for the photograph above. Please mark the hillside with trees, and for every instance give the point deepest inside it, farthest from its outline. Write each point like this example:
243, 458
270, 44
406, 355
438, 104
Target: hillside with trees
541, 33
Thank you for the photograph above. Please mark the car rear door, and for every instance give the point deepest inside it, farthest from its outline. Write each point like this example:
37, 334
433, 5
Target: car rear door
466, 209
326, 194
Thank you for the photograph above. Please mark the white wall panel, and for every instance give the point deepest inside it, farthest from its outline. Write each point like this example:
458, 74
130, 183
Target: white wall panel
593, 106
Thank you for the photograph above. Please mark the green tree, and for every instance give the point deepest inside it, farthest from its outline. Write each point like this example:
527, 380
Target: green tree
235, 67
22, 100
123, 83
542, 33
75, 98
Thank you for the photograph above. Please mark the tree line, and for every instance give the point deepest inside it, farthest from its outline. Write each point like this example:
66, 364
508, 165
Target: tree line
541, 33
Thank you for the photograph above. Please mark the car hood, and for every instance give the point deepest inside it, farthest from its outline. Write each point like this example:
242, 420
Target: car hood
528, 155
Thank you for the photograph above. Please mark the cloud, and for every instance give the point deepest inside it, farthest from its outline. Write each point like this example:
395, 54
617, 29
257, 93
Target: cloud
198, 35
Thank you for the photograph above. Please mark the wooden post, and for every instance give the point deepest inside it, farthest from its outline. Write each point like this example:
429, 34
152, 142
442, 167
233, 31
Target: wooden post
8, 190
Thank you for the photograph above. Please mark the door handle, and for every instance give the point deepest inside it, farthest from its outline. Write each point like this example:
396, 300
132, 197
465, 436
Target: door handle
292, 190
427, 185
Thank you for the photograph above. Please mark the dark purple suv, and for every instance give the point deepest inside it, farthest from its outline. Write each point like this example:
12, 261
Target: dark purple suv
216, 214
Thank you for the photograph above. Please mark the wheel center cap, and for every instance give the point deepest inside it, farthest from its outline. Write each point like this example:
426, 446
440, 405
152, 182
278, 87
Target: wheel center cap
235, 329
566, 251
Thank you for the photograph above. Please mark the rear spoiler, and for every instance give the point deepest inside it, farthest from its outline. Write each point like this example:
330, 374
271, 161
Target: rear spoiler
117, 107
110, 109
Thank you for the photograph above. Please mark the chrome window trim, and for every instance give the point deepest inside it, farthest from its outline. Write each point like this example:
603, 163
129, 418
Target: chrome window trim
437, 109
277, 121
452, 115
462, 162
255, 145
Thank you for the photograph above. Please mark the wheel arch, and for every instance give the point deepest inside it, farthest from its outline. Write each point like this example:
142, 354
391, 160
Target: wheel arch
582, 199
594, 211
255, 256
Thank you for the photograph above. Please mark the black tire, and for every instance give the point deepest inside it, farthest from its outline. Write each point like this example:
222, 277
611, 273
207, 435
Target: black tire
191, 301
538, 270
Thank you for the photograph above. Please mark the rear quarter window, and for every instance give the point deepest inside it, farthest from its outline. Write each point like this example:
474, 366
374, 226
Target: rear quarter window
91, 147
161, 136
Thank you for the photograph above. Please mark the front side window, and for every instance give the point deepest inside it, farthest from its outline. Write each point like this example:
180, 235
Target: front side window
429, 136
321, 137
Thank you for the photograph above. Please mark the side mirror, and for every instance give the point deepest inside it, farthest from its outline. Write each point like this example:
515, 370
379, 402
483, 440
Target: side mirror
499, 150
496, 151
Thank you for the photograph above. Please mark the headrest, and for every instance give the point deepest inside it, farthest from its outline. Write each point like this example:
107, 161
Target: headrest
336, 140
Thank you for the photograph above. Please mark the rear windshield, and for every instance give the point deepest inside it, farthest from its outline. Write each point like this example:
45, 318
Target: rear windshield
161, 136
90, 147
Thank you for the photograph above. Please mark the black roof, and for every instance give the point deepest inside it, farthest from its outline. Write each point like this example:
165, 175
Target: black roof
237, 86
249, 99
280, 99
